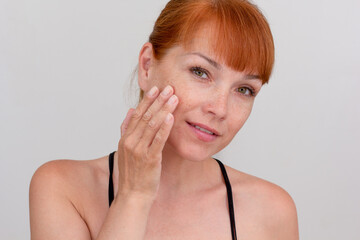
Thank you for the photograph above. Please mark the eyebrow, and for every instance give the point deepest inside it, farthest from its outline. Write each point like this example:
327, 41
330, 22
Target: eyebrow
252, 77
212, 62
218, 66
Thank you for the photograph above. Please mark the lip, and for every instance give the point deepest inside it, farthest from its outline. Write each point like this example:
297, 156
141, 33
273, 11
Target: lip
205, 127
203, 136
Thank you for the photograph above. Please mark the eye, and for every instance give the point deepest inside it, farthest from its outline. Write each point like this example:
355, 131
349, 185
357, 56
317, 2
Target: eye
246, 91
199, 72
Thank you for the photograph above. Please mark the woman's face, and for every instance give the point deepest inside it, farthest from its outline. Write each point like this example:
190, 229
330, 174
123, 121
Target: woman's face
210, 94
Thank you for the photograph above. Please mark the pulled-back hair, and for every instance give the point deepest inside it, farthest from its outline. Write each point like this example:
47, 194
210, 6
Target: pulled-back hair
241, 36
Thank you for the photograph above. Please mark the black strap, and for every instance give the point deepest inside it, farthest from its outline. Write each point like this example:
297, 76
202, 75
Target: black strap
111, 186
230, 199
227, 183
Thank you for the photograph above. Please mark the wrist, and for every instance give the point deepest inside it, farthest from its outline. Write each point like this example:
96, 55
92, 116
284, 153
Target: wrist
135, 199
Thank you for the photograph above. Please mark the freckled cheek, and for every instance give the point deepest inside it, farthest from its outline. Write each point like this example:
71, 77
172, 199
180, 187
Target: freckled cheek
161, 84
161, 79
184, 93
187, 103
184, 102
238, 114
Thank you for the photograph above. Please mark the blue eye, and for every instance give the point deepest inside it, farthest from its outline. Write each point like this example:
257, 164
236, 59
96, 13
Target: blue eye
199, 72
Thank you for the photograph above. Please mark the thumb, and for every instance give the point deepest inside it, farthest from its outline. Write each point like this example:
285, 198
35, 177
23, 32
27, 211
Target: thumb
126, 121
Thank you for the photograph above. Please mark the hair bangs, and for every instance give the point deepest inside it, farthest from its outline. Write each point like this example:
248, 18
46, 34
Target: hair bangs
239, 35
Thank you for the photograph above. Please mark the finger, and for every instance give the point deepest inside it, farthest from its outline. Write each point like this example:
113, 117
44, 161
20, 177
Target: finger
138, 113
125, 123
156, 122
147, 120
161, 136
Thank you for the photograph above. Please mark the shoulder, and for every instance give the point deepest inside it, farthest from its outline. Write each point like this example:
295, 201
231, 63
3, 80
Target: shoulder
56, 198
68, 180
66, 174
268, 204
59, 172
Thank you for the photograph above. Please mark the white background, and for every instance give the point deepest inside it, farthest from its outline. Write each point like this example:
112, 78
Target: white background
65, 69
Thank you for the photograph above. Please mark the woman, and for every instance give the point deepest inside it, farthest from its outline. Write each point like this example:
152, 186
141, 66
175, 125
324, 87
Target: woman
199, 73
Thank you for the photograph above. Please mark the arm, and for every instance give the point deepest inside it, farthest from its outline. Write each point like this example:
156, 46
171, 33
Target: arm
52, 214
282, 215
288, 221
143, 136
126, 219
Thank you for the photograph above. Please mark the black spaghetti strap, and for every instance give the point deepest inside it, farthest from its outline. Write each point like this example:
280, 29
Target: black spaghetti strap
227, 183
230, 199
111, 186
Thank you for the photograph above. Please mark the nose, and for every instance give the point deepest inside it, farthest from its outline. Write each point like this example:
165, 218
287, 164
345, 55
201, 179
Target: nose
217, 104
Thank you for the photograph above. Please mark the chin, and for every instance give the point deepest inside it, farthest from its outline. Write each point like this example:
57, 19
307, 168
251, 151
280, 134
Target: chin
186, 150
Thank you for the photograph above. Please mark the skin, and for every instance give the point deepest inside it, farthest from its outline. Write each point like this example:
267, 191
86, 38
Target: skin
185, 185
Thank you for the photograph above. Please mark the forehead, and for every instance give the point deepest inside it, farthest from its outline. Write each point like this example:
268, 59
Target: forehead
207, 39
199, 53
203, 41
202, 46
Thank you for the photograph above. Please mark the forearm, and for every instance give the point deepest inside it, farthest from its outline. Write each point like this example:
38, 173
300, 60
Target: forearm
126, 219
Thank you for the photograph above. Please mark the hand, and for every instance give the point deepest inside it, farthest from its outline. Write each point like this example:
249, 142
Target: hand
143, 135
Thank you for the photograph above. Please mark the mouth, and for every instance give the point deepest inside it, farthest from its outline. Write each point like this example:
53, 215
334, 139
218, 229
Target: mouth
205, 129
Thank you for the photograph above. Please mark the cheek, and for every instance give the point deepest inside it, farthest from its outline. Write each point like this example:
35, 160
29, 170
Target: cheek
186, 95
160, 78
238, 114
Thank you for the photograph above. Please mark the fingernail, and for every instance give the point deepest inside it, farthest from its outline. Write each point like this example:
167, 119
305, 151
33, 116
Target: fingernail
166, 91
168, 117
172, 100
152, 91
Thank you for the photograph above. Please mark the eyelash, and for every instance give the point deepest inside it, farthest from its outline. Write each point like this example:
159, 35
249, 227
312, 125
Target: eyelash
252, 91
200, 69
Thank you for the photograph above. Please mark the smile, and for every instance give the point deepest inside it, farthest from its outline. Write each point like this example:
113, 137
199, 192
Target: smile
202, 132
203, 129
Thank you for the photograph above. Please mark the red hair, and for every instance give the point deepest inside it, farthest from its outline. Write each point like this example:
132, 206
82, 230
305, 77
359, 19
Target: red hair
241, 36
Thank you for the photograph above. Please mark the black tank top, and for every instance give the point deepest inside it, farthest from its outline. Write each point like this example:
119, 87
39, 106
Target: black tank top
227, 183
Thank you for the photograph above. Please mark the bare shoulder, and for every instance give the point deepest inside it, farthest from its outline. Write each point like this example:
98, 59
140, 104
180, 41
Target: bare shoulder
56, 194
271, 208
61, 174
71, 179
68, 171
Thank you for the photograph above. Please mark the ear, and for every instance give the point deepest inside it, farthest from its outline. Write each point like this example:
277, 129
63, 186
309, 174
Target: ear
146, 60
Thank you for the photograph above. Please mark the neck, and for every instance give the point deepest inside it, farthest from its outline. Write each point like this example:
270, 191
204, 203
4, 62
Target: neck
179, 176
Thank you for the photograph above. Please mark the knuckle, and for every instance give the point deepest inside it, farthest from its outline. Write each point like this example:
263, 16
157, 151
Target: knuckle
168, 108
147, 116
152, 124
161, 100
158, 138
137, 114
127, 145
